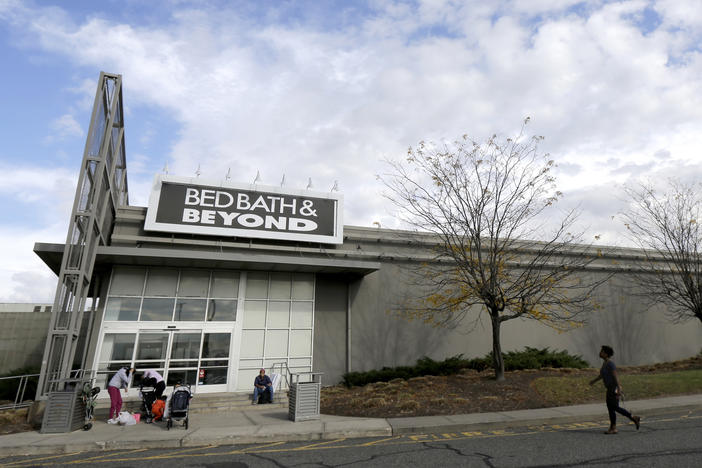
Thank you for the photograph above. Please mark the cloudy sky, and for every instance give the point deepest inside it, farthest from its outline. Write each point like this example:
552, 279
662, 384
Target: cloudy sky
329, 89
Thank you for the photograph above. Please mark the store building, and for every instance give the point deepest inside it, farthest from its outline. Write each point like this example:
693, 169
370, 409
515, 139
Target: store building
214, 280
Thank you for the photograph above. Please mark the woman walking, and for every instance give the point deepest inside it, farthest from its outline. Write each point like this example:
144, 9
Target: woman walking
118, 381
608, 374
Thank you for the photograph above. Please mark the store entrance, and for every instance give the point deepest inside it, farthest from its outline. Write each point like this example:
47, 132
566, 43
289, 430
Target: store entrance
198, 357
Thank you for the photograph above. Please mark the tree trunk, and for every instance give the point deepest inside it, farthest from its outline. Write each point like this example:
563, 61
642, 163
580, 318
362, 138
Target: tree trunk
498, 362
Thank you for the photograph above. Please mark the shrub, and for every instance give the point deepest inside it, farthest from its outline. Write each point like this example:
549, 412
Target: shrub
533, 358
529, 358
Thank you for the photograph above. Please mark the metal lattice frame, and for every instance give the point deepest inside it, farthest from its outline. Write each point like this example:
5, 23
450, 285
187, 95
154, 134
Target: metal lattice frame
102, 187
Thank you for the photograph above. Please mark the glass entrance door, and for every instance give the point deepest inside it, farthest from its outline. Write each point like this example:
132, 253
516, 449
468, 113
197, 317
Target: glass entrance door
198, 357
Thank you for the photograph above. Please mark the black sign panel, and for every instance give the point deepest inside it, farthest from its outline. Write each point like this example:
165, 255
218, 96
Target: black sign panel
229, 211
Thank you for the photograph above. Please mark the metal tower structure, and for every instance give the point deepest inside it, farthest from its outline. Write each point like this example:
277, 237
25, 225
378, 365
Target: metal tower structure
102, 187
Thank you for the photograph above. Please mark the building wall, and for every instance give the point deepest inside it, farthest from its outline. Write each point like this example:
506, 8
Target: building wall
330, 327
638, 335
380, 338
22, 338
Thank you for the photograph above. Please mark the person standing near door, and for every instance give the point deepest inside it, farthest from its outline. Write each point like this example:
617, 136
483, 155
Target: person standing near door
151, 378
118, 381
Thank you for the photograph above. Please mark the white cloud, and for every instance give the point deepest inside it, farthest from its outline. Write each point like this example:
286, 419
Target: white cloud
23, 276
64, 127
38, 185
330, 104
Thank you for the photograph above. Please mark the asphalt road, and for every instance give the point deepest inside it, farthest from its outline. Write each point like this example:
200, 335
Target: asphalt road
673, 439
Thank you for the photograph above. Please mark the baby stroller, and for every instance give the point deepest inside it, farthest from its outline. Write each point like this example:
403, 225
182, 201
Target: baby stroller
179, 406
148, 397
89, 395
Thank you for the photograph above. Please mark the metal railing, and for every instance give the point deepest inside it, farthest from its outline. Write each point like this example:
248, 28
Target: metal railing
284, 372
21, 390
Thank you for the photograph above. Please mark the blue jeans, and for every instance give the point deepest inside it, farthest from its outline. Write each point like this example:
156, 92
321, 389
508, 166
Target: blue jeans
258, 391
613, 408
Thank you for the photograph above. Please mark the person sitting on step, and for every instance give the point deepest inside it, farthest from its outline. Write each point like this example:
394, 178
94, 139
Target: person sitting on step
263, 386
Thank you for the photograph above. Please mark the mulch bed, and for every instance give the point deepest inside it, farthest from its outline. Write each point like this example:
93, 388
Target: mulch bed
467, 392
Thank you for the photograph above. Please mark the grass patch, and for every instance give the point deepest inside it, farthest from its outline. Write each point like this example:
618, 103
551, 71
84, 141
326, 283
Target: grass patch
569, 390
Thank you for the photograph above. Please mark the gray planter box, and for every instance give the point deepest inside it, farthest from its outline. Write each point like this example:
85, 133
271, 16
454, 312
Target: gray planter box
303, 397
65, 410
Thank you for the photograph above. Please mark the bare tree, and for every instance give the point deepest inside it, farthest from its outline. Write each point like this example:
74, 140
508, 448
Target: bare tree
487, 204
666, 226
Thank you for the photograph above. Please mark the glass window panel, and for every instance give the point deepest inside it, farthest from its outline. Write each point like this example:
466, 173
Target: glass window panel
213, 375
128, 281
256, 285
141, 366
193, 283
117, 347
153, 309
280, 286
254, 314
152, 346
225, 284
181, 377
185, 346
300, 343
252, 344
303, 286
181, 364
302, 315
221, 310
122, 308
216, 345
278, 314
276, 343
214, 362
161, 282
190, 310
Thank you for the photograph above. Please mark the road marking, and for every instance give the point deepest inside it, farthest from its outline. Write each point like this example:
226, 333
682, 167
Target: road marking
320, 444
270, 444
17, 463
177, 452
101, 458
368, 444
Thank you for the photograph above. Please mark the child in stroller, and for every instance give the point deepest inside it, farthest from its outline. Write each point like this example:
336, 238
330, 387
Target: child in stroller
179, 405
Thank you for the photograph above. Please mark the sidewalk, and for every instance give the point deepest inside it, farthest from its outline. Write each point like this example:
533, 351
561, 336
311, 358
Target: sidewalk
271, 425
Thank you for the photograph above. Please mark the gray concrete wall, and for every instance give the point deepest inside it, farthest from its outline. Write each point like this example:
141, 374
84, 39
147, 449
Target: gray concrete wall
330, 328
638, 336
22, 338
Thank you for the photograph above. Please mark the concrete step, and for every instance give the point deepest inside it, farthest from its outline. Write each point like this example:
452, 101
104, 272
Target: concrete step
205, 403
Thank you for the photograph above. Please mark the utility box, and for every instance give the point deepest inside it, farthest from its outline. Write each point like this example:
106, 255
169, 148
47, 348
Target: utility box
65, 409
304, 396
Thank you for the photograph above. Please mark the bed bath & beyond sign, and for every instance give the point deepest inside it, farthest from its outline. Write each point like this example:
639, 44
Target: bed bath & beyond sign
196, 207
